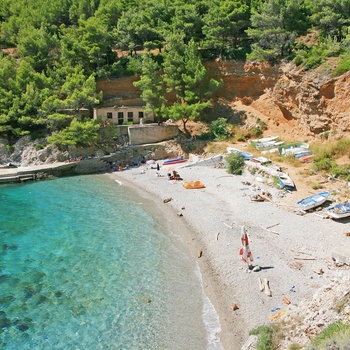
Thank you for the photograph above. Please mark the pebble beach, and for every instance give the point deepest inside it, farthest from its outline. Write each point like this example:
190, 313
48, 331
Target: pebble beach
293, 253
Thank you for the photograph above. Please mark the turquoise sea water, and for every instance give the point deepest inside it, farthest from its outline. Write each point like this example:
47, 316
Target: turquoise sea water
84, 265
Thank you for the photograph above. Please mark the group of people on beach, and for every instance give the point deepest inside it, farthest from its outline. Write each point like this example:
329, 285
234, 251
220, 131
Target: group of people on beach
174, 176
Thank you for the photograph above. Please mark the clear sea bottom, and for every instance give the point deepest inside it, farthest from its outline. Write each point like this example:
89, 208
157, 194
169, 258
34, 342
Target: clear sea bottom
85, 265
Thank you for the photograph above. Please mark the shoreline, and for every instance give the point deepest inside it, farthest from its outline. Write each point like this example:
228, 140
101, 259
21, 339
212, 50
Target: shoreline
210, 221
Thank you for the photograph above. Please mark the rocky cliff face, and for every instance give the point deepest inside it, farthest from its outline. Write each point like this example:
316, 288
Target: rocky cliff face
290, 100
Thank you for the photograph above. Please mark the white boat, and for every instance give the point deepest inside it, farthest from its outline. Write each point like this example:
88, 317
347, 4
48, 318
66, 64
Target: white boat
313, 201
293, 148
245, 155
294, 151
266, 139
339, 211
261, 160
269, 144
272, 150
286, 181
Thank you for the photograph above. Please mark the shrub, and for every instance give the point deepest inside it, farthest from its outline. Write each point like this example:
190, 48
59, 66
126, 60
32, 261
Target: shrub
265, 334
255, 132
219, 129
343, 65
313, 62
77, 133
298, 60
235, 164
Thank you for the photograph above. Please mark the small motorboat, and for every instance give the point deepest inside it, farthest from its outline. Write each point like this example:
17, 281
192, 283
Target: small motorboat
313, 201
339, 211
286, 181
245, 155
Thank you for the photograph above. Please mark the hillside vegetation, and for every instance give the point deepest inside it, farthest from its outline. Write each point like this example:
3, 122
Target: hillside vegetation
53, 52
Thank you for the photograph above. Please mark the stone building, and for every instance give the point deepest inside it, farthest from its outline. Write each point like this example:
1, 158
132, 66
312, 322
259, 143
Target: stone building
124, 115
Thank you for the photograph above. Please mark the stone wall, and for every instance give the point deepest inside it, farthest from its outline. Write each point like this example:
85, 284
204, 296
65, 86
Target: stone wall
152, 134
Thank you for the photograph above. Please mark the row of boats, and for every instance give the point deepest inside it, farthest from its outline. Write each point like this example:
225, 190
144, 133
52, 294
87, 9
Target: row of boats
299, 150
283, 178
338, 211
272, 145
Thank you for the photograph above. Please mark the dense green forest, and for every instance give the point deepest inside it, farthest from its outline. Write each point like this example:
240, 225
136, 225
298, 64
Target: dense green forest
54, 50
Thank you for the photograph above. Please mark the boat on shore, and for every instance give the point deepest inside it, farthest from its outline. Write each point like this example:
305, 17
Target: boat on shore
245, 155
174, 161
303, 154
339, 211
305, 159
313, 201
286, 181
265, 139
293, 148
267, 142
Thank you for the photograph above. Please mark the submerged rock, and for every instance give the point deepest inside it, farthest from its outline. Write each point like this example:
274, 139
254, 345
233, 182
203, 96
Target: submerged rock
5, 322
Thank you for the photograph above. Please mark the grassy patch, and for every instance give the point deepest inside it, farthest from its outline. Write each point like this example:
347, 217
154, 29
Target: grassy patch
265, 337
316, 186
336, 335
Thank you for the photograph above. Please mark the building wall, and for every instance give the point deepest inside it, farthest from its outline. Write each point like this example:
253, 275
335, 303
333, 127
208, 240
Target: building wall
124, 114
139, 135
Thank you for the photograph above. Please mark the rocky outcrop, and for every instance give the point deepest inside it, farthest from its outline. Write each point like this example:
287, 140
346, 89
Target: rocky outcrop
312, 103
305, 321
319, 104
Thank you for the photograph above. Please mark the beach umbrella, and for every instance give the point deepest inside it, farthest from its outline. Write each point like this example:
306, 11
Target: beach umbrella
247, 256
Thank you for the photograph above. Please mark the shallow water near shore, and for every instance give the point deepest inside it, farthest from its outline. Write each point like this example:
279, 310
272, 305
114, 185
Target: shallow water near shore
84, 265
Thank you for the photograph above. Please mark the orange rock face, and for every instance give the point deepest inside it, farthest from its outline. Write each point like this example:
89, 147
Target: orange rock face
285, 97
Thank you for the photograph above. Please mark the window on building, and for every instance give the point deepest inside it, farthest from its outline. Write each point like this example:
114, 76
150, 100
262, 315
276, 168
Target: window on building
109, 115
140, 114
130, 116
120, 118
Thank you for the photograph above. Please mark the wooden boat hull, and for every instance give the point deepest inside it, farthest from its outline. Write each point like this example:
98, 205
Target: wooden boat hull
313, 201
305, 159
